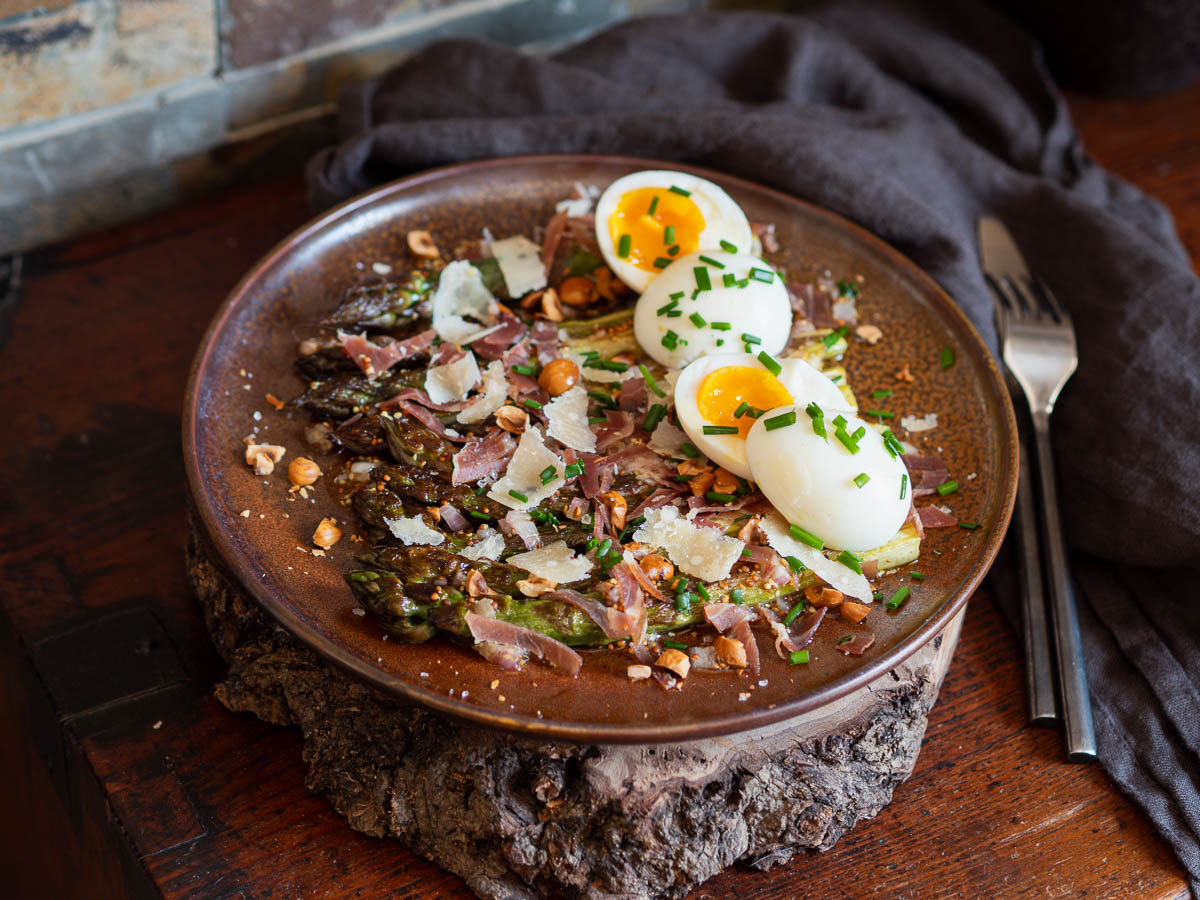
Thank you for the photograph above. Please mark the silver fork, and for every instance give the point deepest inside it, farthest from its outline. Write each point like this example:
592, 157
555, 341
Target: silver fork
1038, 343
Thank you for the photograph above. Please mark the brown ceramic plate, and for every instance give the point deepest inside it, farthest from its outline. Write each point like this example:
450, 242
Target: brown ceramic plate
263, 532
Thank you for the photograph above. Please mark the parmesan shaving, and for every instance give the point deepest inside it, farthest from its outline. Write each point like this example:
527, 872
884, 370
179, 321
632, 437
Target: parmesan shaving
489, 548
453, 381
493, 396
591, 373
523, 527
837, 575
917, 424
667, 439
555, 562
413, 530
461, 292
704, 553
520, 261
568, 420
524, 473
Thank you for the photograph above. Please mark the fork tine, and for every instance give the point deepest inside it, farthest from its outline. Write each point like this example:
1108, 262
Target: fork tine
1047, 296
1025, 304
1002, 300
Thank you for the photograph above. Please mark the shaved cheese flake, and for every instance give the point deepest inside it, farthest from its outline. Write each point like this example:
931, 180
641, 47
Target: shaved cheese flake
704, 553
489, 548
555, 562
667, 439
413, 530
453, 381
520, 261
916, 424
846, 580
523, 527
568, 420
524, 473
493, 396
461, 292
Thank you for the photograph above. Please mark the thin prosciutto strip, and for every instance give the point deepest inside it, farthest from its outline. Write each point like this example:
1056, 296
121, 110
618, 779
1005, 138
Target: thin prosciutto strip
481, 457
544, 335
520, 385
555, 229
416, 395
554, 652
935, 517
632, 396
497, 343
723, 616
375, 359
661, 496
632, 598
618, 426
861, 640
641, 577
741, 632
428, 419
615, 623
926, 473
453, 519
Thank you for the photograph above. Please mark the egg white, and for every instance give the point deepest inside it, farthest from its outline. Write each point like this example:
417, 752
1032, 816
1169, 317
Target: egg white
810, 480
723, 218
761, 309
802, 381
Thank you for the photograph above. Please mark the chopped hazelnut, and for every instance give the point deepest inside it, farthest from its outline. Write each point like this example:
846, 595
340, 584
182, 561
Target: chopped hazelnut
638, 673
701, 484
674, 661
616, 508
559, 376
853, 612
551, 305
327, 534
512, 419
731, 652
421, 244
303, 470
819, 595
577, 291
476, 585
725, 482
657, 567
869, 333
904, 374
608, 285
262, 456
535, 586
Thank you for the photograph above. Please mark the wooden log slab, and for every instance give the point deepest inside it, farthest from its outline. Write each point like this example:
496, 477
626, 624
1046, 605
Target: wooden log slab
522, 818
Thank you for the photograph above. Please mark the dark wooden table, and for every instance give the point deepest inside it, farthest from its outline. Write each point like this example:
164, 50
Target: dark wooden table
125, 778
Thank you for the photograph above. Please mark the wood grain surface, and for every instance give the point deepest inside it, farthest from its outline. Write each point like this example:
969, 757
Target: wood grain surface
125, 777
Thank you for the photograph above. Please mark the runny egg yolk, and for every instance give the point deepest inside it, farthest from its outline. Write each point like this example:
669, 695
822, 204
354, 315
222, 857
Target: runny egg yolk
724, 390
641, 237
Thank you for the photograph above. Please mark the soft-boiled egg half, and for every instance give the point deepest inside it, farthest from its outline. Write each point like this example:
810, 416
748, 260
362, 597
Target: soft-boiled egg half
850, 499
717, 398
647, 219
712, 302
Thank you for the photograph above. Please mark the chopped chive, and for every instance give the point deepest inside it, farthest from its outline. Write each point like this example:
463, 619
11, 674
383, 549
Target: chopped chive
678, 295
835, 378
633, 523
720, 342
830, 339
794, 563
847, 289
591, 543
781, 421
533, 404
653, 206
624, 245
751, 338
839, 421
879, 413
649, 379
609, 365
673, 250
603, 399
653, 416
741, 410
698, 320
798, 657
861, 479
969, 526
680, 191
892, 443
814, 411
709, 261
847, 639
793, 613
517, 495
879, 395
720, 429
695, 293
746, 551
716, 497
903, 485
681, 477
674, 314
946, 357
661, 262
754, 412
614, 557
745, 282
669, 235
769, 363
703, 592
847, 441
818, 426
858, 433
666, 307
523, 369
916, 576
603, 547
764, 275
947, 487
549, 474
482, 516
897, 599
737, 596
850, 561
806, 537
729, 279
702, 280
596, 420
670, 340
720, 326
675, 645
689, 450
879, 596
728, 247
682, 603
574, 469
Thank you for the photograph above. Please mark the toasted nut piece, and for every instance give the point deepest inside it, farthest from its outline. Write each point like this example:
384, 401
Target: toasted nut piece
577, 291
616, 508
638, 673
656, 567
327, 534
532, 299
309, 346
262, 456
746, 532
730, 651
818, 595
725, 482
575, 511
421, 244
869, 333
693, 467
435, 513
904, 374
559, 376
702, 484
551, 305
535, 586
303, 470
853, 612
276, 402
512, 419
674, 661
317, 436
476, 585
608, 285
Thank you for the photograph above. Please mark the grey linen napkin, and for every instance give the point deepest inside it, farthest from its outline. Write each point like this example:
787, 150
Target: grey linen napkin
910, 119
